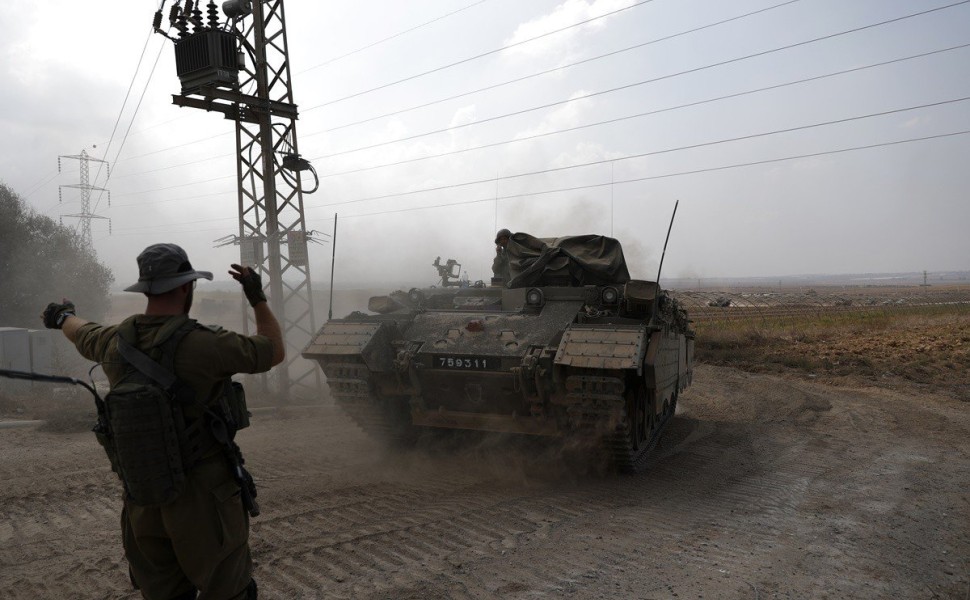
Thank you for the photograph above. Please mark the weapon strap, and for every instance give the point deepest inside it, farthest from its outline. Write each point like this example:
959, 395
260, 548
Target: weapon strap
31, 376
147, 366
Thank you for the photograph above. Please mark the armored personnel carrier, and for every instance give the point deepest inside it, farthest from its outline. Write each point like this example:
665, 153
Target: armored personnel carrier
570, 347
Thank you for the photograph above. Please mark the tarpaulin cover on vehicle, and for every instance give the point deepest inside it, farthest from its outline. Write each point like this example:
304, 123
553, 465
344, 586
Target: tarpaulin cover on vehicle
568, 261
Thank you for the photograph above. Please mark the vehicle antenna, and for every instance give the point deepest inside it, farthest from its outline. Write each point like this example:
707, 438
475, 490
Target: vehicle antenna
333, 258
666, 240
656, 298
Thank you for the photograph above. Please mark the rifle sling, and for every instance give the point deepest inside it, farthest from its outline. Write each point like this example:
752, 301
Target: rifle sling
147, 366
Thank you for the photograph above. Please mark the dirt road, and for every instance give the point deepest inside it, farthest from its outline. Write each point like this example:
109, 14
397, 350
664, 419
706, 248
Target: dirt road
763, 487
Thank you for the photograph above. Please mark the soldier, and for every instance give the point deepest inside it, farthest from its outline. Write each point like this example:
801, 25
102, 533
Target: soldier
197, 543
500, 264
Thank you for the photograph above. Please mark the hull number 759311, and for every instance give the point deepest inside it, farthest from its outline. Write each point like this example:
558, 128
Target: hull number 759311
466, 363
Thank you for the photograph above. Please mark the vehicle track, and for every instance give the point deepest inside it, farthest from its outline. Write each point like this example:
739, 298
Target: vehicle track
760, 486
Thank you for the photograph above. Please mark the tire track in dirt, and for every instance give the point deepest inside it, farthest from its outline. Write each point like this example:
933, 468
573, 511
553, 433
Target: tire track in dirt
477, 523
760, 487
44, 513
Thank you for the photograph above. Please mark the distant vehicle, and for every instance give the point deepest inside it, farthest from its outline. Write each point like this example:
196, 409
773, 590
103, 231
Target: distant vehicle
571, 347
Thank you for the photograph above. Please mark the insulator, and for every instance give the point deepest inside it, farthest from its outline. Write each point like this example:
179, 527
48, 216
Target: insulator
109, 226
173, 14
186, 16
109, 198
182, 23
58, 164
60, 197
196, 18
213, 11
157, 21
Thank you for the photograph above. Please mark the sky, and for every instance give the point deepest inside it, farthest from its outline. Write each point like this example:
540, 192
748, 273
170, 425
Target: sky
799, 137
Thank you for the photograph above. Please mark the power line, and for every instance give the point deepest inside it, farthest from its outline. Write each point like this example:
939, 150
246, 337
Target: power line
154, 202
664, 176
640, 83
37, 186
205, 139
554, 70
645, 154
389, 38
187, 164
628, 86
477, 56
432, 103
565, 130
172, 187
167, 225
124, 102
122, 110
134, 114
127, 232
480, 89
575, 166
644, 114
493, 198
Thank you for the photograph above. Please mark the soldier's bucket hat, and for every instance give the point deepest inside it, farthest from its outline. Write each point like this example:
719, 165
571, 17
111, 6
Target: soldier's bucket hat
164, 267
501, 234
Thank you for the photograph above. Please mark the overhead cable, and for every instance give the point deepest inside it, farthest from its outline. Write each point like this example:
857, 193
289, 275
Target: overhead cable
121, 147
498, 85
187, 164
391, 37
493, 198
644, 114
637, 83
166, 149
553, 70
585, 164
524, 111
645, 154
665, 175
577, 127
179, 185
477, 56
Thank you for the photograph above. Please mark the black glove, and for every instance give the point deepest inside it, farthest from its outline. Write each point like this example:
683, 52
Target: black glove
55, 314
251, 282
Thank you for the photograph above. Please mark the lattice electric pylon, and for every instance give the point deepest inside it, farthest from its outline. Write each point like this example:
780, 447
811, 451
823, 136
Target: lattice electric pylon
214, 63
85, 216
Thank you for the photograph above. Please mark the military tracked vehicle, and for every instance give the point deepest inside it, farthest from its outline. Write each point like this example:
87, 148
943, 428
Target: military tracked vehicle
570, 347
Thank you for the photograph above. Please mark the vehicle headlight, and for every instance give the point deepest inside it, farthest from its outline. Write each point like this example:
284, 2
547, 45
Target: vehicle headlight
610, 295
533, 297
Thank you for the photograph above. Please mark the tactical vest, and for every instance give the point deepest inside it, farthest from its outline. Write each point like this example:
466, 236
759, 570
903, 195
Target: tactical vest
143, 427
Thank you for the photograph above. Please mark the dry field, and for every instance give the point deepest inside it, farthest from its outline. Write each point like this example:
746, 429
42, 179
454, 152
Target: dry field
822, 460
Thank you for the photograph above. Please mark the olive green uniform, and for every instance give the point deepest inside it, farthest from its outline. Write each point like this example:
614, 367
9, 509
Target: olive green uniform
500, 265
199, 541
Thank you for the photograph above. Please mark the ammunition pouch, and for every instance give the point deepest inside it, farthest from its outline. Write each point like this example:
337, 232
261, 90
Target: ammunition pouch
103, 434
236, 412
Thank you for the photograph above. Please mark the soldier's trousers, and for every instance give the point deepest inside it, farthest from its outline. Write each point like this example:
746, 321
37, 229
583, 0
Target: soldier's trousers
200, 541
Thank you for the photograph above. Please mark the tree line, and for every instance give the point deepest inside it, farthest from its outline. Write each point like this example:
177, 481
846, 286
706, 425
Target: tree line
42, 261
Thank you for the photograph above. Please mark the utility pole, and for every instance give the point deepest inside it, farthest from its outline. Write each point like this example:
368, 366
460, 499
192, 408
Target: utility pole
86, 216
215, 62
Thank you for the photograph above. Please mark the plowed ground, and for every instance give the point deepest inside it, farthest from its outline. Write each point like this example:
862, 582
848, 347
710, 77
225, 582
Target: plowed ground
764, 486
